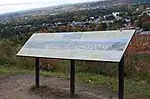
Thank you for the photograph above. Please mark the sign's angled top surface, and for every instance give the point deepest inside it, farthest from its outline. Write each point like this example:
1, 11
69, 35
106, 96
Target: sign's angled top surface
96, 45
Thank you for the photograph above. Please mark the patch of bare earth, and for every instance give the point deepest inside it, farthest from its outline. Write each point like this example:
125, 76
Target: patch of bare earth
21, 87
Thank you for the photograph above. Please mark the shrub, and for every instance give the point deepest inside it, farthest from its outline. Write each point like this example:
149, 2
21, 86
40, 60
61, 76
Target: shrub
146, 26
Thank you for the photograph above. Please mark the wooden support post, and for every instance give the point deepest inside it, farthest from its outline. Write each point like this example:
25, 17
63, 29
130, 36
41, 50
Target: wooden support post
121, 79
72, 78
37, 73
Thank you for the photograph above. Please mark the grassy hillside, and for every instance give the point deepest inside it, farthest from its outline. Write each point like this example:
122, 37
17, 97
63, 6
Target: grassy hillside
137, 67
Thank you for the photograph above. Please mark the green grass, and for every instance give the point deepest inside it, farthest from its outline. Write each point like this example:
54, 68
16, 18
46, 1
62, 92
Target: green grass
131, 86
8, 70
110, 82
53, 74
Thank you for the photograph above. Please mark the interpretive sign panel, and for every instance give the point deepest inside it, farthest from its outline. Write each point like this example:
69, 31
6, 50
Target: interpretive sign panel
96, 45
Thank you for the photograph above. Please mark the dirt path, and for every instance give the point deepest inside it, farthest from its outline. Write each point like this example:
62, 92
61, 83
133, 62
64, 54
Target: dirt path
17, 87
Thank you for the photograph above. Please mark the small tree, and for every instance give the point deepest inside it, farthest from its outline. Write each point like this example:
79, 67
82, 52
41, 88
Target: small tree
146, 26
102, 26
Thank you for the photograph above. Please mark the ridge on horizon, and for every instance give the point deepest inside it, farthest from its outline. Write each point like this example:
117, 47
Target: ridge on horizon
63, 4
46, 5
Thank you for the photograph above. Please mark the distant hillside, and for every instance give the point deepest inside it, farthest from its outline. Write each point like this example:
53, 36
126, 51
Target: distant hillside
131, 1
122, 1
52, 10
135, 2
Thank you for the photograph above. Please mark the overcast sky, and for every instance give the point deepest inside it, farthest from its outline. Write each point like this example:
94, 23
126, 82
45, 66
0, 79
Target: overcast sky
18, 5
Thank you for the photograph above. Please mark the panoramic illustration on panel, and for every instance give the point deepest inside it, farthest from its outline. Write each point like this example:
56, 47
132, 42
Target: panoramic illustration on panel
100, 45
